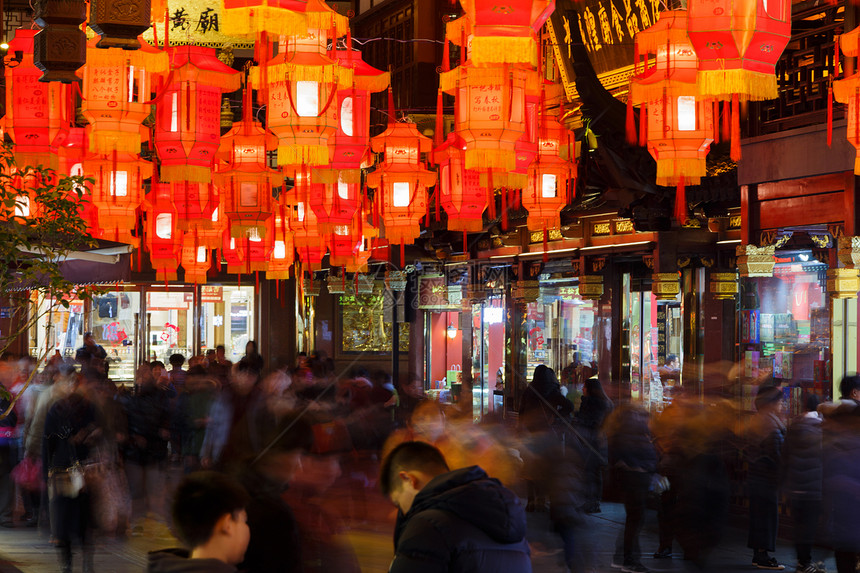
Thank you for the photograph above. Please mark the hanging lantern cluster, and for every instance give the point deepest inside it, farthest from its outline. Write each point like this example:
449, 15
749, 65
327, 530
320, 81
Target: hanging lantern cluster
679, 122
847, 91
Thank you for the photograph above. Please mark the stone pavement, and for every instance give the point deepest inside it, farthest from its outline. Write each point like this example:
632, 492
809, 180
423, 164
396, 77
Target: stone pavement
28, 551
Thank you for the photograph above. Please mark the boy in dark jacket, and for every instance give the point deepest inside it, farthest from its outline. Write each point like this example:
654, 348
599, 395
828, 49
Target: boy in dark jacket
804, 471
451, 521
209, 515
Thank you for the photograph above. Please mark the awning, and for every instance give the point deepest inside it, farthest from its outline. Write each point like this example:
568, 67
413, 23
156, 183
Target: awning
106, 262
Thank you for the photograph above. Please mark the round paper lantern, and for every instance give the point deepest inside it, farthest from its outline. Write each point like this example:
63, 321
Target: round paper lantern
188, 115
738, 43
460, 191
117, 88
401, 180
245, 176
163, 239
35, 111
680, 123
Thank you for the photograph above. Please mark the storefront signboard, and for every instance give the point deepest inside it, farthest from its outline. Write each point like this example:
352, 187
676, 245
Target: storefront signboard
211, 293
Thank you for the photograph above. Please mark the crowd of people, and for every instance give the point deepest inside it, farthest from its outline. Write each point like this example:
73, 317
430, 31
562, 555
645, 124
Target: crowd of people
240, 463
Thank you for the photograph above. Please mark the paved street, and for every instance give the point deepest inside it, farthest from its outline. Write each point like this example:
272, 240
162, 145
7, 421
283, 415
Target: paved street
25, 550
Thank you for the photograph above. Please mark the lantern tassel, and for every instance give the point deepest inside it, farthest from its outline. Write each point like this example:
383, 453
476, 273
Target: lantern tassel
830, 113
257, 281
504, 209
716, 105
491, 195
630, 128
727, 132
545, 244
736, 129
643, 125
681, 202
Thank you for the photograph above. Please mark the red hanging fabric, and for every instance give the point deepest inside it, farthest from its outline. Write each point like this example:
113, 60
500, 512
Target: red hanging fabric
681, 202
727, 130
736, 129
545, 244
716, 121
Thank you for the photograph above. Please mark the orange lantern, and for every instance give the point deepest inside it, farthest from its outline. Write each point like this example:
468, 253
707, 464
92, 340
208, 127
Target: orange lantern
401, 181
250, 18
195, 258
35, 111
117, 192
200, 207
117, 85
501, 34
71, 148
162, 235
309, 241
490, 111
460, 191
680, 123
188, 116
245, 176
301, 84
350, 245
548, 175
847, 91
284, 250
249, 253
738, 43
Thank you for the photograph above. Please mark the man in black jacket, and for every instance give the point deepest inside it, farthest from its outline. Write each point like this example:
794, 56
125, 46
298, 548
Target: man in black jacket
451, 521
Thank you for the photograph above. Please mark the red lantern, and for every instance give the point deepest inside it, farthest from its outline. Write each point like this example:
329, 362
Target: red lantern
117, 85
246, 177
71, 148
301, 84
461, 193
310, 242
117, 192
247, 254
847, 91
200, 207
738, 43
680, 123
284, 250
188, 116
501, 33
401, 180
491, 112
35, 111
195, 258
350, 245
548, 175
162, 235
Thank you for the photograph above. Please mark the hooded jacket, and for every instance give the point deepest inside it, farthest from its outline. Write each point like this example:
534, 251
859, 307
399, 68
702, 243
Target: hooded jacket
179, 561
462, 521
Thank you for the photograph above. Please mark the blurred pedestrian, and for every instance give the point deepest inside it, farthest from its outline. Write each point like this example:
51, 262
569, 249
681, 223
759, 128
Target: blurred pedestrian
595, 406
765, 440
842, 474
455, 521
803, 467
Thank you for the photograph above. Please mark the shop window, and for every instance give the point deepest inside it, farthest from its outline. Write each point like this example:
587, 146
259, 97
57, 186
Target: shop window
367, 327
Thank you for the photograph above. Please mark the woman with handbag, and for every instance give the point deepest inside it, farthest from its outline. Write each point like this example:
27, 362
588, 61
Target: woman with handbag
70, 428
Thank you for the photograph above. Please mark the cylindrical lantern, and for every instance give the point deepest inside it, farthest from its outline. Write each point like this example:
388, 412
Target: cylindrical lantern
35, 111
188, 116
117, 88
283, 250
490, 111
680, 124
501, 34
301, 84
117, 192
246, 178
847, 91
555, 164
738, 43
163, 239
460, 191
401, 180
